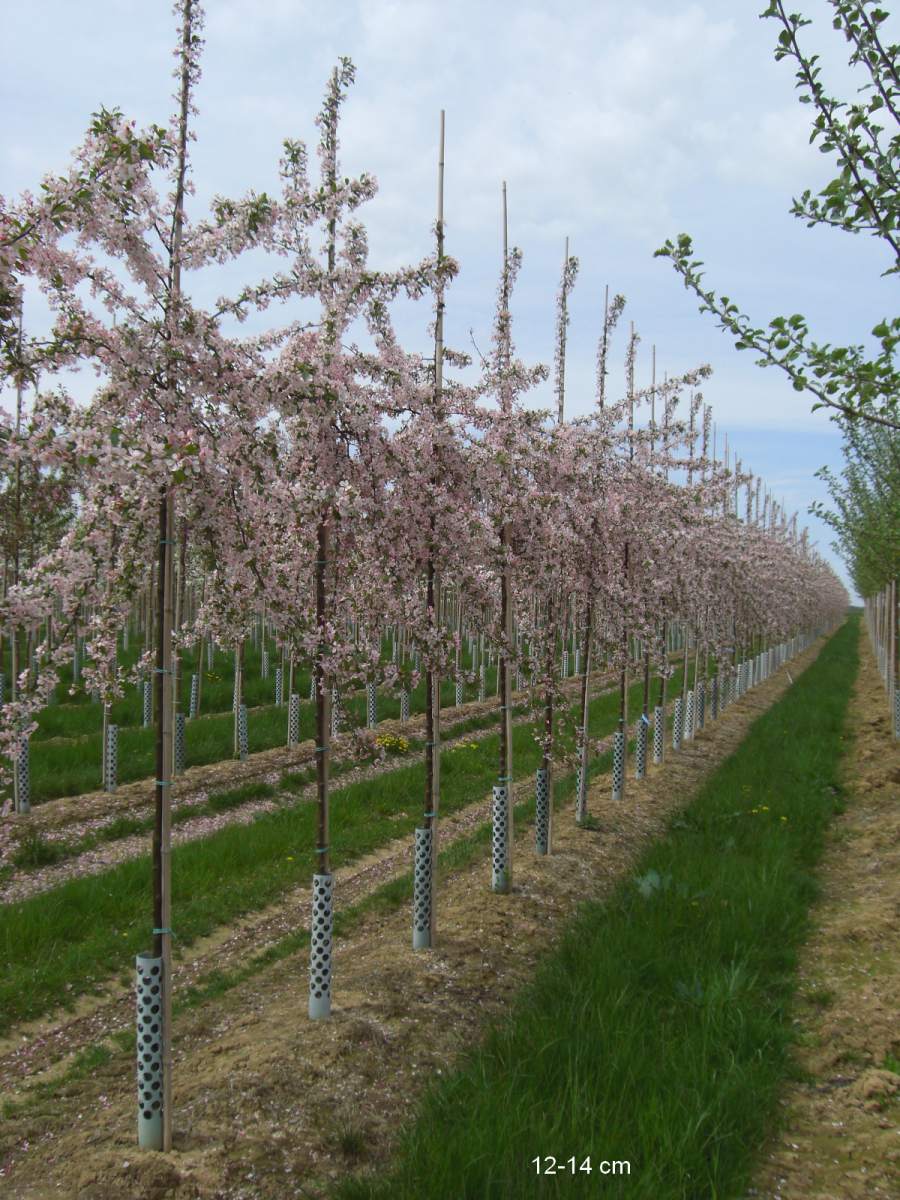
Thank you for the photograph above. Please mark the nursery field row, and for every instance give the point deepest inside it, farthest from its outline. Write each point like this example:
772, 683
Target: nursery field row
46, 857
71, 764
226, 975
67, 940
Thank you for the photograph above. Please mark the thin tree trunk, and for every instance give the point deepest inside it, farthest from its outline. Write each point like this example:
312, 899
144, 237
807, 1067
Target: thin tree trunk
161, 851
585, 700
323, 716
547, 759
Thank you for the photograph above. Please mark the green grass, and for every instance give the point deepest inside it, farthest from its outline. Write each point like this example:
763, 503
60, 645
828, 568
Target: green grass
225, 801
659, 1032
57, 945
34, 850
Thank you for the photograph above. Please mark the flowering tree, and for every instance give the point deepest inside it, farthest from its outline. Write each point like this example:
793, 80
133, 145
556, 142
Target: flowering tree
502, 451
306, 529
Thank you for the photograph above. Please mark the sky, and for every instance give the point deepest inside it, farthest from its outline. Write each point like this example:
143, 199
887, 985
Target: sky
617, 126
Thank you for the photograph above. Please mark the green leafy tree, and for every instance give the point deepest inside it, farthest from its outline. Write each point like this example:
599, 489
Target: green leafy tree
864, 138
865, 515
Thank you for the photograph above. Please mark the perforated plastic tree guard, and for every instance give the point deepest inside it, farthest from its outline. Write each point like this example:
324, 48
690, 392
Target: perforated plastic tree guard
179, 760
23, 777
279, 686
689, 716
336, 714
640, 749
264, 665
565, 664
243, 747
618, 771
293, 719
312, 685
148, 703
210, 655
677, 724
149, 1051
659, 735
458, 693
499, 841
404, 704
541, 812
195, 697
422, 899
320, 939
111, 764
577, 662
700, 711
482, 682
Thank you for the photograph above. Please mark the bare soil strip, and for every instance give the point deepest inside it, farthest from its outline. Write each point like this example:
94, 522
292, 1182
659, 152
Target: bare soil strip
269, 1104
841, 1137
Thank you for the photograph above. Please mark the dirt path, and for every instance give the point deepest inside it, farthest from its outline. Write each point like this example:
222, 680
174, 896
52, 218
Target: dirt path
842, 1130
269, 1104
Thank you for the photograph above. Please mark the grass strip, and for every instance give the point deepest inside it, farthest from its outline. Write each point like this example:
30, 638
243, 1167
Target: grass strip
658, 1033
60, 944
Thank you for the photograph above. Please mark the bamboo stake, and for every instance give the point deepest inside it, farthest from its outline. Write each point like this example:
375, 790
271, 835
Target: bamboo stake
504, 682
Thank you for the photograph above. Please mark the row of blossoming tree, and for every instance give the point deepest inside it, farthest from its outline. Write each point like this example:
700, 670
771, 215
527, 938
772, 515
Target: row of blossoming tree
321, 474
